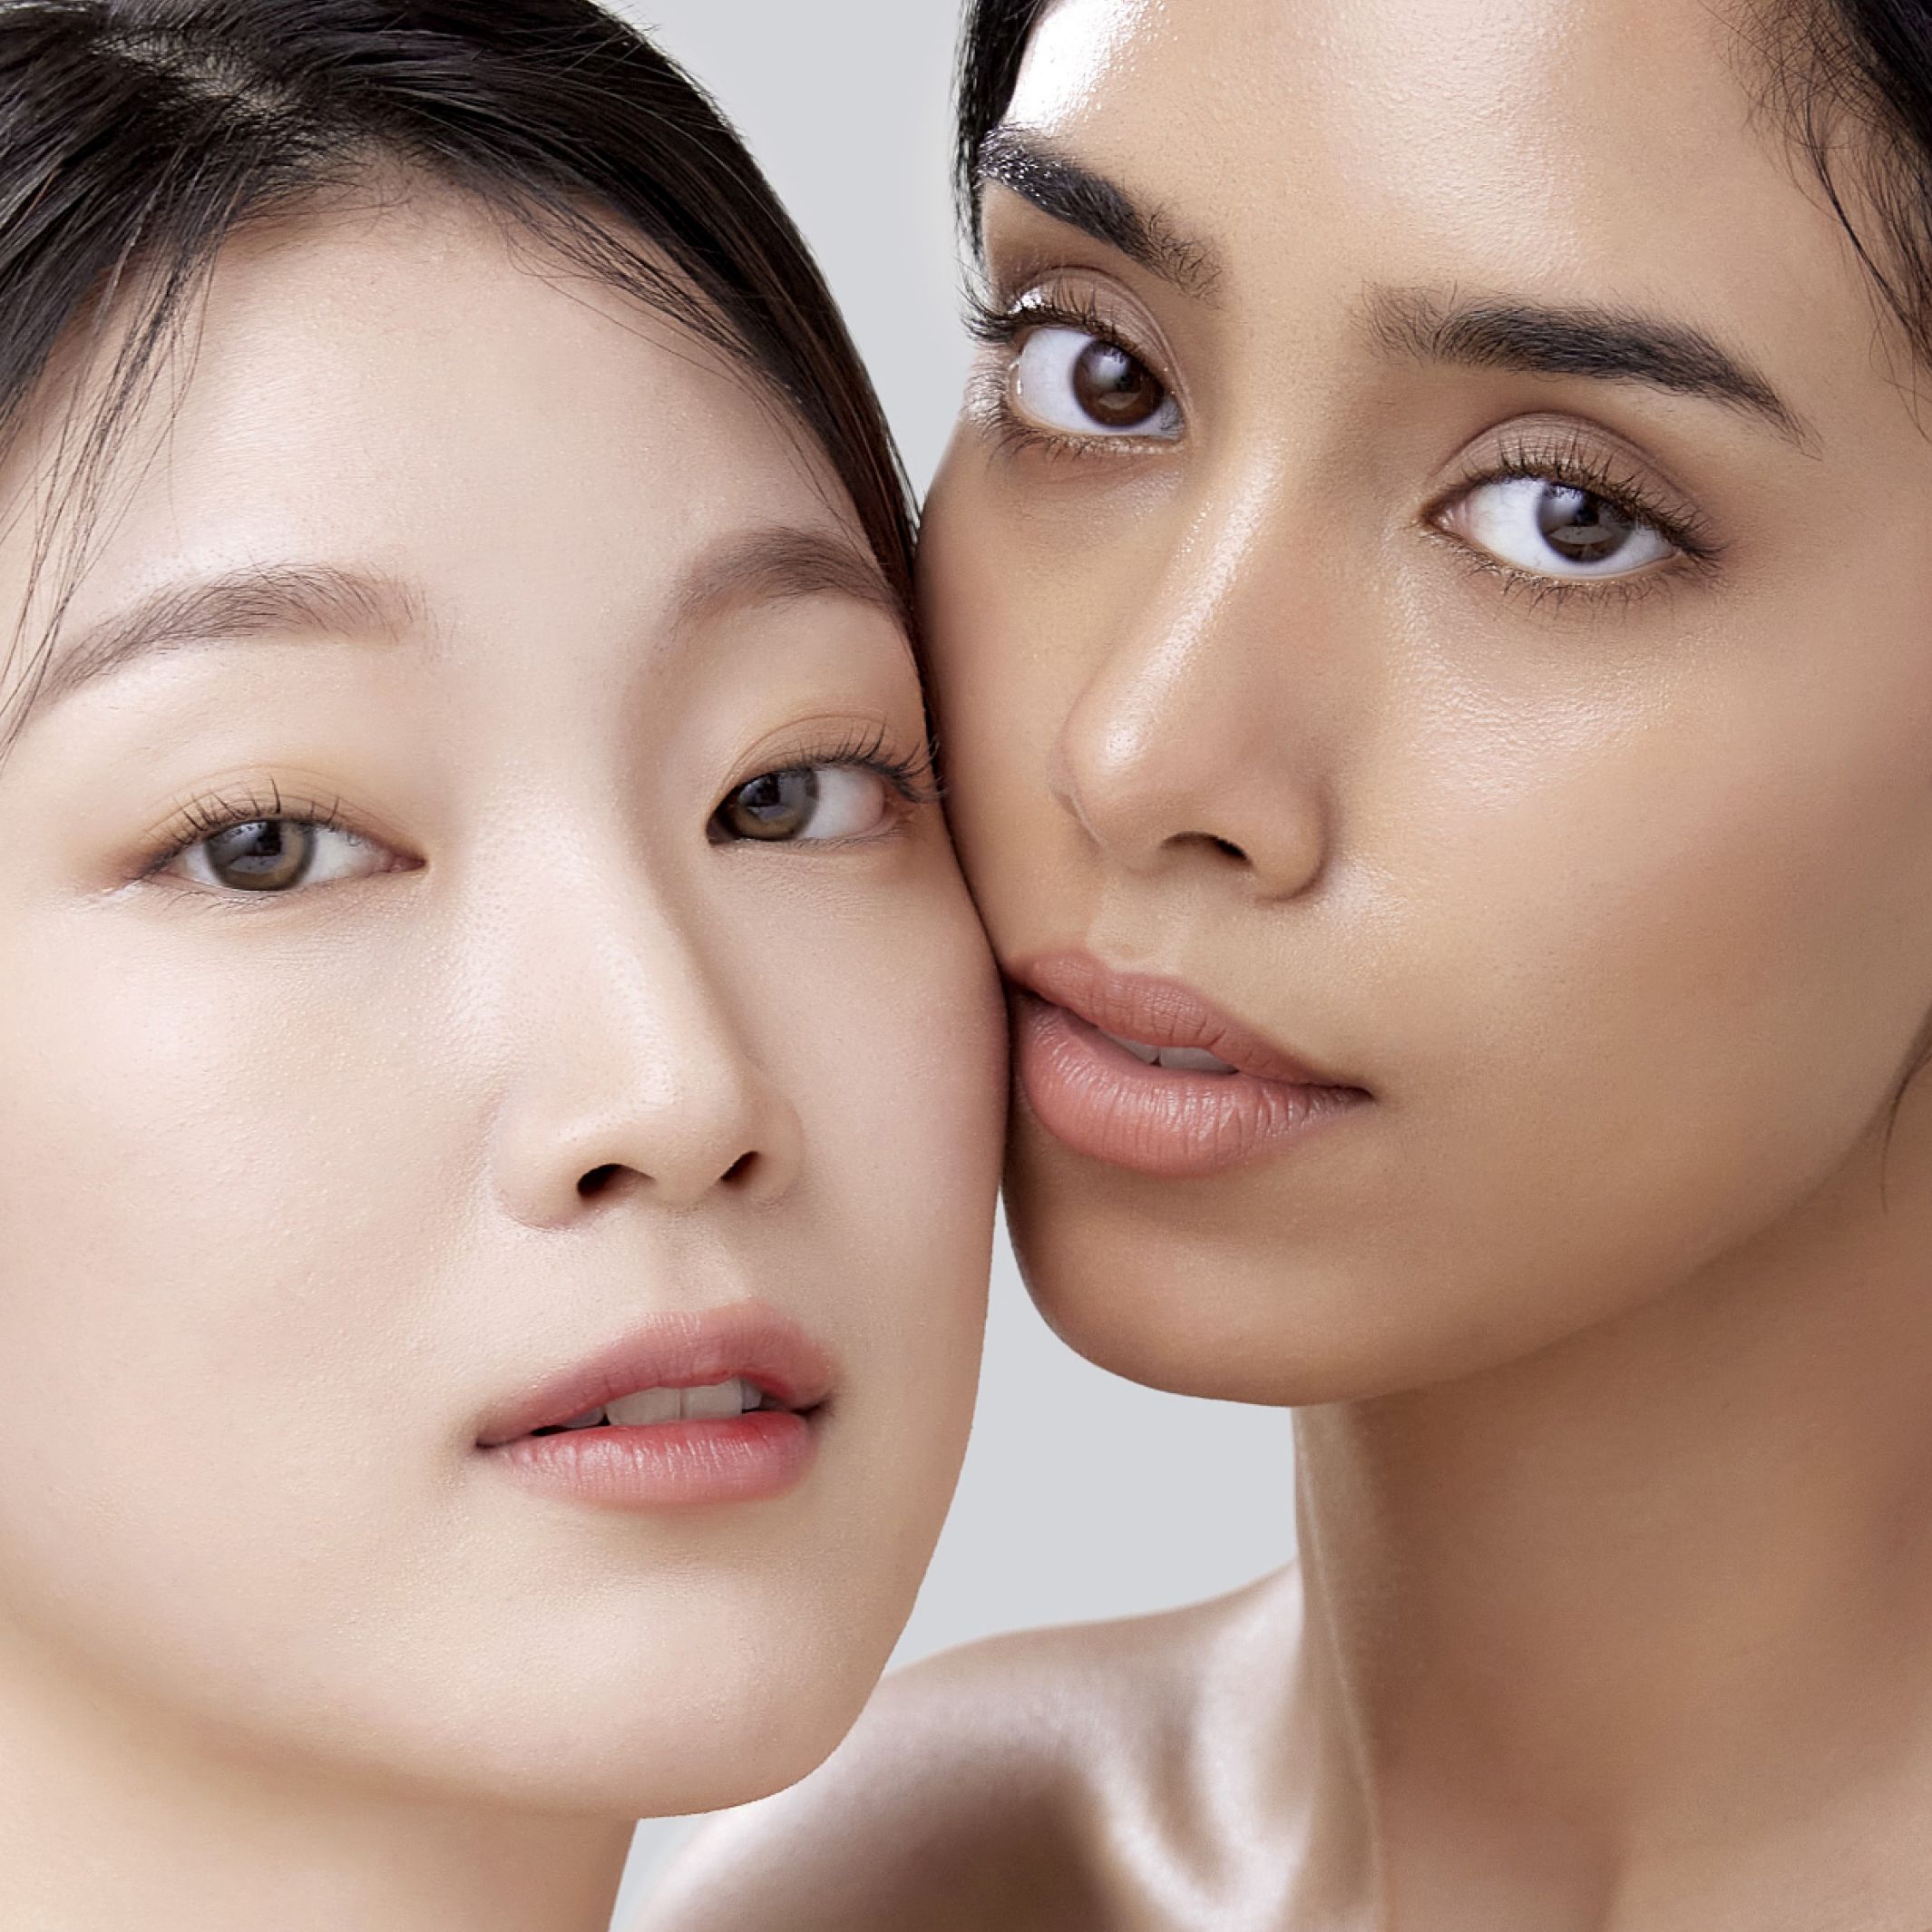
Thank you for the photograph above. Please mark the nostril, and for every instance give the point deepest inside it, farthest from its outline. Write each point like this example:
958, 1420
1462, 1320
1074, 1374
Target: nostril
1207, 842
740, 1170
597, 1181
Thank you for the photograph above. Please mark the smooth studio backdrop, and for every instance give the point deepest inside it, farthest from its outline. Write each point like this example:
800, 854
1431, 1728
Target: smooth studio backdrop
1083, 1495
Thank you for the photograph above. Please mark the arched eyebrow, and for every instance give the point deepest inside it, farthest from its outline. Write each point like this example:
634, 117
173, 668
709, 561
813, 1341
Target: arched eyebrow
1601, 344
1057, 184
778, 565
233, 607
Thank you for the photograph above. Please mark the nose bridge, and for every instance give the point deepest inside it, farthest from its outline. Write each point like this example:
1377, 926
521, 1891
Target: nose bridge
628, 1056
1200, 729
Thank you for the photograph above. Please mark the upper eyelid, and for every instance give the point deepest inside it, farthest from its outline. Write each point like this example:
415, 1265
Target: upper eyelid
1048, 297
203, 818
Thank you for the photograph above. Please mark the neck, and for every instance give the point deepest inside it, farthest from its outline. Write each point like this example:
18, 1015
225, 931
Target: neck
1635, 1631
112, 1815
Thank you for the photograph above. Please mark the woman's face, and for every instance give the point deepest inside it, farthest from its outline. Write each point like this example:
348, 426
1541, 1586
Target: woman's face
421, 1009
1432, 605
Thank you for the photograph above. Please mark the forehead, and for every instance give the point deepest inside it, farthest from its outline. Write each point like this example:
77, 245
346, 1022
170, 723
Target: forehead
423, 389
1586, 150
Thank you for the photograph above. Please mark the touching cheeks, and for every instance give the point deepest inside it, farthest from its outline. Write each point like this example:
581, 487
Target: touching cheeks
1433, 681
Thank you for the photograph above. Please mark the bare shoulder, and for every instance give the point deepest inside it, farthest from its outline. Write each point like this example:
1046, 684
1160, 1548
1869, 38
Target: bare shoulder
981, 1788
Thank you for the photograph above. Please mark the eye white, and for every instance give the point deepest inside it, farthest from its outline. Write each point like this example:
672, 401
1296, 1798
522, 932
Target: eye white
1509, 517
852, 802
1043, 389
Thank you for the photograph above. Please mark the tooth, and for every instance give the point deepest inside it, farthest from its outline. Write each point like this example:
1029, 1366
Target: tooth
1146, 1054
647, 1406
714, 1400
1192, 1059
590, 1418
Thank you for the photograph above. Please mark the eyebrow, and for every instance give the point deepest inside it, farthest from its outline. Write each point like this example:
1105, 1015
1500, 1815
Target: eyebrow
1058, 185
769, 566
231, 607
784, 564
1601, 344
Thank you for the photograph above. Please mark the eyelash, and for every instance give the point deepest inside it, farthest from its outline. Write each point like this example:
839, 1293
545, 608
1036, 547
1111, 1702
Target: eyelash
205, 818
1002, 326
915, 779
1570, 463
1573, 464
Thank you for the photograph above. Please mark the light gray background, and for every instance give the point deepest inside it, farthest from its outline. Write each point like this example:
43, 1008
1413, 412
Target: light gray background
1083, 1495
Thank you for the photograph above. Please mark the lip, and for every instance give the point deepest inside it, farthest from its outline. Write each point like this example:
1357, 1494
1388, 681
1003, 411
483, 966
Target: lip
1098, 1099
738, 1459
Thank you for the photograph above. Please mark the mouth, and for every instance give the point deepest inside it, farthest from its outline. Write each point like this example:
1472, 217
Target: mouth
1144, 1073
652, 1408
721, 1406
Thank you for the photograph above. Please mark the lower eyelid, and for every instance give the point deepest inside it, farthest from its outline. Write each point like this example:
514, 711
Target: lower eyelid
1599, 593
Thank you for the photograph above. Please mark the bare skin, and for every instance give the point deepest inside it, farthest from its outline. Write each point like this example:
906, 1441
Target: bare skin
488, 594
1602, 875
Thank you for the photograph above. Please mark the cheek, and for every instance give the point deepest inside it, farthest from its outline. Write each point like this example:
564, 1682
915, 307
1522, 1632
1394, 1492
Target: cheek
1008, 656
1673, 985
209, 1219
891, 1032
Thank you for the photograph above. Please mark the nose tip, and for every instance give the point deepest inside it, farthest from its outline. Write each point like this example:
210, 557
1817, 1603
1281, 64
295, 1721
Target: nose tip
642, 1075
1164, 792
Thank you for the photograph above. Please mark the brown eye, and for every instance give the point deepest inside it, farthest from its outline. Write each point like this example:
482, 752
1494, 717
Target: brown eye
806, 804
1079, 384
1584, 528
269, 855
773, 805
261, 856
1554, 529
1114, 390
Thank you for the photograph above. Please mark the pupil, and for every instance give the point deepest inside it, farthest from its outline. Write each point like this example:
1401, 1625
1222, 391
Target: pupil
269, 855
1113, 388
773, 806
1584, 528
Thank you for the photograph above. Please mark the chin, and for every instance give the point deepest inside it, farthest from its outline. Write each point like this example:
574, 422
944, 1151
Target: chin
657, 1729
1180, 1286
1196, 1288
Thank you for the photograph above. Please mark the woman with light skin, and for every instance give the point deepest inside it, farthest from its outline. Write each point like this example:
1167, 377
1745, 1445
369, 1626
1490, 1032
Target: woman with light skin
502, 1082
1431, 607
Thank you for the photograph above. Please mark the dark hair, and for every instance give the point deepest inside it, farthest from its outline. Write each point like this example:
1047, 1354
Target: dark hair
1854, 78
136, 135
992, 44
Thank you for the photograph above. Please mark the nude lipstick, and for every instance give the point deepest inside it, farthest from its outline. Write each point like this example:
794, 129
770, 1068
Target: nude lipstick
714, 1407
1144, 1074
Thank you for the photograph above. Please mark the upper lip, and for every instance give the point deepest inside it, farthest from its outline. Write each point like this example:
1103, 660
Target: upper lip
685, 1348
1160, 1012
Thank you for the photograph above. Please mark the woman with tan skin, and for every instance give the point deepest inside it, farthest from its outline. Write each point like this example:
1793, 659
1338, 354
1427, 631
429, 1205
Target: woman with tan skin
1431, 598
502, 1082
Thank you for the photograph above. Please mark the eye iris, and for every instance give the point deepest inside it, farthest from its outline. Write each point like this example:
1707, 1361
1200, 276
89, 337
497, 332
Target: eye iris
775, 805
266, 855
1584, 528
1113, 388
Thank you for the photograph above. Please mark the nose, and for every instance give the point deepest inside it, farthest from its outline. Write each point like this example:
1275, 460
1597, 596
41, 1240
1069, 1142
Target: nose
631, 1074
1195, 742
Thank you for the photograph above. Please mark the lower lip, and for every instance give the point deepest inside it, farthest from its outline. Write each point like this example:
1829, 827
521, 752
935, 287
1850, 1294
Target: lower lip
1090, 1093
744, 1459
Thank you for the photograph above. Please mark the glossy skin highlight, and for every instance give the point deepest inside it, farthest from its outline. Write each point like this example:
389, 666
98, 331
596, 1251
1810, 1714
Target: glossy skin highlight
300, 1190
1610, 887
